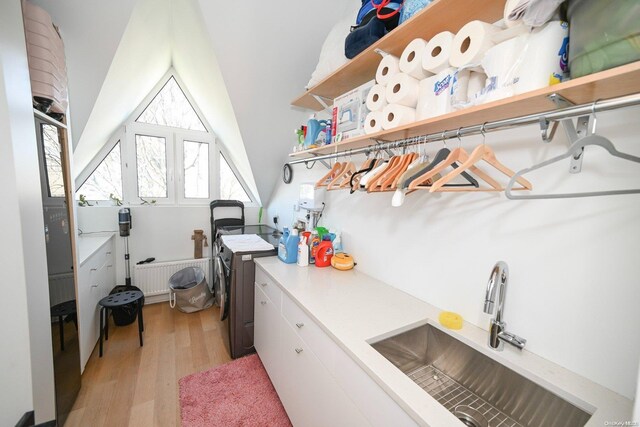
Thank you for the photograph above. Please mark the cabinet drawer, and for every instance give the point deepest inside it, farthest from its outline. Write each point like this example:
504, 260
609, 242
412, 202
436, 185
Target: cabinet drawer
269, 287
307, 329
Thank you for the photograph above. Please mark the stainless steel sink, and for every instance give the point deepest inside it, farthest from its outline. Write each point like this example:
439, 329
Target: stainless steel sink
478, 390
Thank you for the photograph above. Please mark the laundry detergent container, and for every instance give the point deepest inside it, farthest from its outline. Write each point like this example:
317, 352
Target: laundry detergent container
189, 291
603, 33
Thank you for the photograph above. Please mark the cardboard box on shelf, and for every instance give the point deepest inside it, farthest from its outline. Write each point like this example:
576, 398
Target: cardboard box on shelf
350, 111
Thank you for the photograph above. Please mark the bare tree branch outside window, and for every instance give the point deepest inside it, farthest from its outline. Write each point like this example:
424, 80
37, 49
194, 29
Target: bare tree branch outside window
53, 162
105, 180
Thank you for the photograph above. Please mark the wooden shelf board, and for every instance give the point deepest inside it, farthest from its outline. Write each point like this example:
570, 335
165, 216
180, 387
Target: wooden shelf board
620, 81
441, 15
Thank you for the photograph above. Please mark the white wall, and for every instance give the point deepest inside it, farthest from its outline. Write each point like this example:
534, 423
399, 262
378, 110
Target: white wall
162, 232
26, 354
88, 63
574, 286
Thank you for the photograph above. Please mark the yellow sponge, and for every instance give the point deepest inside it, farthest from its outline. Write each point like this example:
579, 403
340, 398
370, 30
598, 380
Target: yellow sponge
450, 320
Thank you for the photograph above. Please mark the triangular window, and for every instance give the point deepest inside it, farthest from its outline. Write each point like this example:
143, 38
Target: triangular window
230, 186
170, 107
106, 179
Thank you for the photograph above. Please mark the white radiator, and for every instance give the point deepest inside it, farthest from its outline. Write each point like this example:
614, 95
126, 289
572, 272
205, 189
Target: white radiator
61, 288
153, 279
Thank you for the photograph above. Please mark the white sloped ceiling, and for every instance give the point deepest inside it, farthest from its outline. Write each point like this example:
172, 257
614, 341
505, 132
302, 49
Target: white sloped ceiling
243, 62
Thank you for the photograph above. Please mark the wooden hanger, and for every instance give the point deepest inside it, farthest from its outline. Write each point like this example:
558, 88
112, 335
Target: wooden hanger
389, 182
486, 153
335, 170
458, 155
440, 156
344, 175
374, 180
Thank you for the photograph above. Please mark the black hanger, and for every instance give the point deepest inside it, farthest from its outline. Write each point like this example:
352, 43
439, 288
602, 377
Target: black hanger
361, 172
439, 157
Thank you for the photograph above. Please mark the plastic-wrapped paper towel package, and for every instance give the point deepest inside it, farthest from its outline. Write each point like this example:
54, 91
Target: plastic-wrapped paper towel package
527, 62
435, 95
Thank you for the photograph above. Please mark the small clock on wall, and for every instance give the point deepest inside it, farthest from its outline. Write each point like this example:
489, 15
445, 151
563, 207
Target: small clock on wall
287, 173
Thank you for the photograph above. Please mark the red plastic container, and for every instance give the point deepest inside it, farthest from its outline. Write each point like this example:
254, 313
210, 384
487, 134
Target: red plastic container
324, 254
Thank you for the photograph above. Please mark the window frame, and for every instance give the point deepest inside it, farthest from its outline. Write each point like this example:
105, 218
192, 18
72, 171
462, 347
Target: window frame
214, 188
174, 138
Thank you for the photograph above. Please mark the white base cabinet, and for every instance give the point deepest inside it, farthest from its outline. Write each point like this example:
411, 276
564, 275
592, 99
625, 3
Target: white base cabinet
317, 382
96, 278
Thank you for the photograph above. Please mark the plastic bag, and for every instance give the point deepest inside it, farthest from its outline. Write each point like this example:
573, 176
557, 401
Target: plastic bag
539, 12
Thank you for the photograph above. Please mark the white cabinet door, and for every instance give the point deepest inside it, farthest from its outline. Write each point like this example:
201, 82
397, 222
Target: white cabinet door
266, 335
96, 278
309, 393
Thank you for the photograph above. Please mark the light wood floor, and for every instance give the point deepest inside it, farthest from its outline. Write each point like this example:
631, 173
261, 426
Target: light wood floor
138, 386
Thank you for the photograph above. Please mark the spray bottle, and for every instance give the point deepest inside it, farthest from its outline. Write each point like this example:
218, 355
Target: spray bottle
303, 252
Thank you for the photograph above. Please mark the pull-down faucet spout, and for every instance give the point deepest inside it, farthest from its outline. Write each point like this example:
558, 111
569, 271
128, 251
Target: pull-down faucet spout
497, 284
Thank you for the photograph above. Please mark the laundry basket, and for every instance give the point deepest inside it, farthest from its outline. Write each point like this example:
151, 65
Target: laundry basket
188, 290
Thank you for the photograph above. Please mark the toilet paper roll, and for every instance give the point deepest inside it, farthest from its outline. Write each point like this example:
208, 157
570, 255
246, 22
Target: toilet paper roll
411, 60
471, 43
544, 59
403, 89
395, 115
373, 122
435, 57
388, 67
434, 96
377, 98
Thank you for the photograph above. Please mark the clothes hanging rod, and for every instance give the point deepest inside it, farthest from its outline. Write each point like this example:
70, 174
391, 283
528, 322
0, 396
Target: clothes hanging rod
553, 115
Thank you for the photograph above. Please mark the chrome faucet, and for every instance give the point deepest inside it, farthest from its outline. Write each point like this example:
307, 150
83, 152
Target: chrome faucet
498, 284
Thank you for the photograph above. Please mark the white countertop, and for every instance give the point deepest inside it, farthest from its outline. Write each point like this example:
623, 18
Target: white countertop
88, 244
355, 309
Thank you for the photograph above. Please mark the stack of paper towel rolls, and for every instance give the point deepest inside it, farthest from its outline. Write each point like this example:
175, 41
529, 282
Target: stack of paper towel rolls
437, 76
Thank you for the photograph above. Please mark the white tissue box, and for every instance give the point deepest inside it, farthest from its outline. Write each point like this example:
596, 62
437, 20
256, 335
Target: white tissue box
350, 111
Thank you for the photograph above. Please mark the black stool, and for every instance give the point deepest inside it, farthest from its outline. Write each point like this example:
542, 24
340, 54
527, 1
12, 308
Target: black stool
67, 308
118, 300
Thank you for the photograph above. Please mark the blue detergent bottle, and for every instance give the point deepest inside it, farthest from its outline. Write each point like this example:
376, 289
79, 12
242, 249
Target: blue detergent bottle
288, 247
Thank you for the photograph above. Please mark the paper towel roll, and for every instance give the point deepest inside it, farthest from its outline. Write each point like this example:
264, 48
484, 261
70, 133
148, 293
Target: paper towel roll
545, 57
377, 98
501, 64
434, 97
388, 67
477, 81
459, 88
435, 57
373, 122
395, 115
403, 89
411, 60
471, 42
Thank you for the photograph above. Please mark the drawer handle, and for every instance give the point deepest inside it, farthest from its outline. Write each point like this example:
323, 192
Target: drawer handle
263, 284
299, 325
298, 350
263, 302
94, 286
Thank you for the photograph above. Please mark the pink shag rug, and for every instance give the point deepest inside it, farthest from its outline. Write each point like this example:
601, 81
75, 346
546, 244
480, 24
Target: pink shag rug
238, 393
